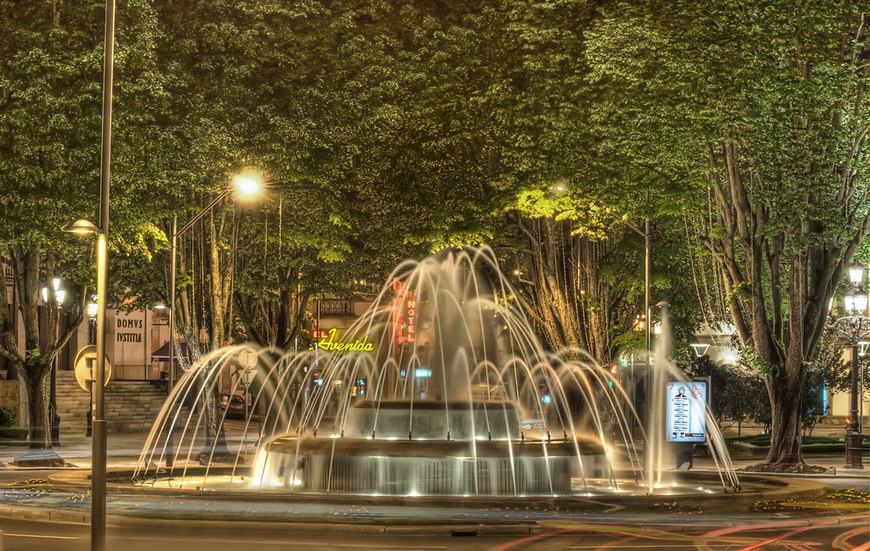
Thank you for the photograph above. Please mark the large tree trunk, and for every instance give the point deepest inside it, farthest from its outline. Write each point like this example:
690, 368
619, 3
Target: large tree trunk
785, 441
39, 435
756, 266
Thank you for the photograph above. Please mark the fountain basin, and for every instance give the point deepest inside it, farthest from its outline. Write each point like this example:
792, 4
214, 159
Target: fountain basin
694, 488
427, 467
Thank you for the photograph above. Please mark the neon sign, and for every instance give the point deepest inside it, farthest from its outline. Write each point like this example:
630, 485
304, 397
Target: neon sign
412, 319
331, 344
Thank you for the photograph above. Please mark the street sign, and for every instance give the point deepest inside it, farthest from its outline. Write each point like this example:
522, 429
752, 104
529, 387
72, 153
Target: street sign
247, 359
85, 364
248, 376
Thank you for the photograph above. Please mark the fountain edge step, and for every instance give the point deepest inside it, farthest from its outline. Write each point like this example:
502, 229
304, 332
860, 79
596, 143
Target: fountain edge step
777, 488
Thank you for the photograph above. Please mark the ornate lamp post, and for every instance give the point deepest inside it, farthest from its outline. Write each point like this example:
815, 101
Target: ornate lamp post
854, 327
53, 417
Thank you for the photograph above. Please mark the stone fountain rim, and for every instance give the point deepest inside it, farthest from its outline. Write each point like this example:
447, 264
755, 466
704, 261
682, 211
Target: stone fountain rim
399, 448
433, 405
777, 488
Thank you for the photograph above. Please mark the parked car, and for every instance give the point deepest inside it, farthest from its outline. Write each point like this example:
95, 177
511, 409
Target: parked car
234, 406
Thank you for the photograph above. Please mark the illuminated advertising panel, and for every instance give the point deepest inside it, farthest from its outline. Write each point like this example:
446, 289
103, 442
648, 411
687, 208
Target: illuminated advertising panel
685, 404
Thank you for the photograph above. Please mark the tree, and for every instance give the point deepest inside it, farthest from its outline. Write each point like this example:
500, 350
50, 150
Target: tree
50, 61
765, 105
736, 395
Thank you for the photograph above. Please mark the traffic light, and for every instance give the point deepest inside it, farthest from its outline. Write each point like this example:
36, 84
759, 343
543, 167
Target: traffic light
613, 369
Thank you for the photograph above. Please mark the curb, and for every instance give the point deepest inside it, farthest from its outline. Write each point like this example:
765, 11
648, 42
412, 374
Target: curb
74, 517
478, 529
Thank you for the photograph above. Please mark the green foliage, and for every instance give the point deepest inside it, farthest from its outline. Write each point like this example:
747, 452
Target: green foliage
735, 394
630, 340
753, 360
33, 358
13, 433
760, 444
7, 416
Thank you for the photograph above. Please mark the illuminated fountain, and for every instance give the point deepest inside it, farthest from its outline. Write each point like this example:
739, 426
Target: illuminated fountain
440, 389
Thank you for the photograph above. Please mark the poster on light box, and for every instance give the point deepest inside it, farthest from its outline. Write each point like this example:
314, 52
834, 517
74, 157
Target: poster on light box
685, 404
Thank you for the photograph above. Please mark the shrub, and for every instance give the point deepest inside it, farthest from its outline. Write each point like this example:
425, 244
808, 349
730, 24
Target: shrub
13, 433
6, 416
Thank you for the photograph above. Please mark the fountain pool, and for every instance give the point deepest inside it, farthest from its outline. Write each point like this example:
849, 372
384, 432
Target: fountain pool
440, 389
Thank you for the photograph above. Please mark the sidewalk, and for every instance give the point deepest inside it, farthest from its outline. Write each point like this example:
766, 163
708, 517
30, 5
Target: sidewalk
123, 451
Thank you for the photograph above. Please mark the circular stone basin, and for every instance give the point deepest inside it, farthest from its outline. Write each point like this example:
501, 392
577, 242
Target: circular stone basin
453, 448
427, 467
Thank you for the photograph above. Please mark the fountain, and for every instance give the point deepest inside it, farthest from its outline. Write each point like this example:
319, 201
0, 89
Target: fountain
440, 389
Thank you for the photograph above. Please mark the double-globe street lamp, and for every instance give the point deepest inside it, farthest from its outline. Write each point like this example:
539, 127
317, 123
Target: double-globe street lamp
53, 417
854, 327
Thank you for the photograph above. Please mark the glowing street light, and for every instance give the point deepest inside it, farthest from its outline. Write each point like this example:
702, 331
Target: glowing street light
854, 327
700, 349
59, 294
98, 455
248, 185
53, 418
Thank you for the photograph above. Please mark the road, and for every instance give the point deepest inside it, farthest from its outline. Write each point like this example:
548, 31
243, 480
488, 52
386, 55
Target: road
23, 535
839, 529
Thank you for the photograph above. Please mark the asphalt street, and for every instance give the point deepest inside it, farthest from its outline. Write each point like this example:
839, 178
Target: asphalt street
25, 535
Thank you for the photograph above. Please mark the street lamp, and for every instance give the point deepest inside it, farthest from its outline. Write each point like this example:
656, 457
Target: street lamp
98, 454
854, 327
247, 186
647, 263
53, 417
700, 349
98, 419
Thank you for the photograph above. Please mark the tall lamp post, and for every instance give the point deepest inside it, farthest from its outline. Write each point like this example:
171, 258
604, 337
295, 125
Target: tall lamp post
246, 186
98, 442
854, 328
98, 418
647, 264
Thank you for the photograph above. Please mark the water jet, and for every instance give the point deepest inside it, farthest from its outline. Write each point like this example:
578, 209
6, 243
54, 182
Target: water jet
449, 394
